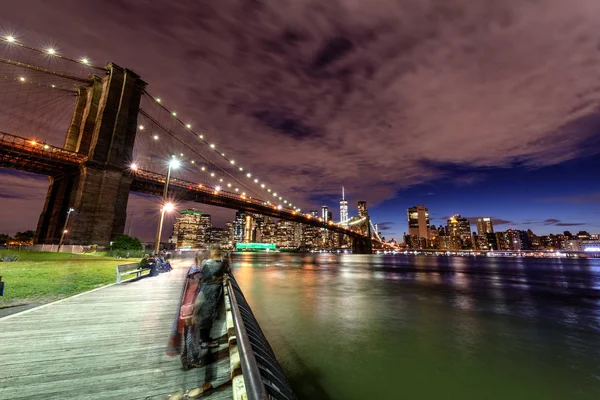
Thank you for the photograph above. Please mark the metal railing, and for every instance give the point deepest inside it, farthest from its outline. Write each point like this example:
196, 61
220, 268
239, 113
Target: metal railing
263, 376
40, 149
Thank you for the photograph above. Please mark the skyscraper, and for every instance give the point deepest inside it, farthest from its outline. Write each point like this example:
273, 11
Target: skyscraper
324, 213
362, 209
418, 221
459, 227
239, 227
204, 226
343, 208
186, 228
484, 225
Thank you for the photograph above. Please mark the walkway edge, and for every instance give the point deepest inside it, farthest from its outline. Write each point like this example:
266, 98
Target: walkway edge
55, 302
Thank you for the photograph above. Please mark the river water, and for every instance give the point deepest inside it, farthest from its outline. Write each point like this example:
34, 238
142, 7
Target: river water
422, 327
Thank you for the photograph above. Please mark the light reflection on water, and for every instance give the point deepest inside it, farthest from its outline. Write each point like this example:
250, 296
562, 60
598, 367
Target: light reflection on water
387, 327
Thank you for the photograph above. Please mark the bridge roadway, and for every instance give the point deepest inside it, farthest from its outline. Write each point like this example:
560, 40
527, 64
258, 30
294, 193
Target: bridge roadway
24, 154
106, 344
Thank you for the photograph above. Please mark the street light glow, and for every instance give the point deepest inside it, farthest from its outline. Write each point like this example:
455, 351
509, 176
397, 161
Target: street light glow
168, 207
50, 51
85, 61
155, 137
134, 166
174, 163
10, 39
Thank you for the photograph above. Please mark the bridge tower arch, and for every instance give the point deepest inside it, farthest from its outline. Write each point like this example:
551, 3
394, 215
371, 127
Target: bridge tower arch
103, 128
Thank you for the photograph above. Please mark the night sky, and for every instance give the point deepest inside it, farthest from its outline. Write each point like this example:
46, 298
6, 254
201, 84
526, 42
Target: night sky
482, 108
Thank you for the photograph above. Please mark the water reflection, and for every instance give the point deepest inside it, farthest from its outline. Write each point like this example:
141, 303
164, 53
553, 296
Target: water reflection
515, 327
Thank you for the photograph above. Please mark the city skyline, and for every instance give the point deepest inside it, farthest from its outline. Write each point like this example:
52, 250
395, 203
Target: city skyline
389, 134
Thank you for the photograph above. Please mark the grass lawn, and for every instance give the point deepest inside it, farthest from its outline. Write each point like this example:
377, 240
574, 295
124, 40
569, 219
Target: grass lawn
39, 277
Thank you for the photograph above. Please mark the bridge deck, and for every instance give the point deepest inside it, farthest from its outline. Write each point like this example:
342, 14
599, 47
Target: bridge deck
107, 344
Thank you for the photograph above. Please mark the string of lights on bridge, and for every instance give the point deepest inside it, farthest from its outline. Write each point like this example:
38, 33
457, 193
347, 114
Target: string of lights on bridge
52, 51
213, 147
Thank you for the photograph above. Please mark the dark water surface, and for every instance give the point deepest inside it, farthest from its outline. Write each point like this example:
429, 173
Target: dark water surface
422, 327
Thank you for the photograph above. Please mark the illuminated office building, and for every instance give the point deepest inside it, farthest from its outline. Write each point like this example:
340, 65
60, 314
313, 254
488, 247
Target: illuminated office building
362, 209
418, 222
484, 225
343, 208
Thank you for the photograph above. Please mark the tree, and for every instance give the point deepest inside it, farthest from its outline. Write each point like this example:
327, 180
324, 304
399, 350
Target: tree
25, 237
4, 238
126, 243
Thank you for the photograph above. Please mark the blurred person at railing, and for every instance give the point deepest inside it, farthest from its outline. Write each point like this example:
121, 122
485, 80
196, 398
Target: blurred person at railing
210, 294
184, 318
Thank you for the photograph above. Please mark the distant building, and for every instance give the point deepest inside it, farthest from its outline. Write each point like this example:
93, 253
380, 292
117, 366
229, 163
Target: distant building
343, 208
190, 228
460, 227
311, 236
325, 213
512, 239
205, 225
418, 222
484, 225
230, 228
186, 228
239, 227
217, 236
362, 209
288, 234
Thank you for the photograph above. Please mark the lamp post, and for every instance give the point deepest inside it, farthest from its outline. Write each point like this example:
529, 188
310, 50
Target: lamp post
173, 163
62, 236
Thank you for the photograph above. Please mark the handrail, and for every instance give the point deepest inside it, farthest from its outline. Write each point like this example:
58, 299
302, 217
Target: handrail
254, 386
263, 376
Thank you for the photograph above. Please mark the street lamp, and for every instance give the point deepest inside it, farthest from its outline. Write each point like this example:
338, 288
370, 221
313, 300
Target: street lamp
173, 163
167, 207
71, 209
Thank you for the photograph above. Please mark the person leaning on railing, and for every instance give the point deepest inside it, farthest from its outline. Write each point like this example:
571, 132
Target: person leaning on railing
210, 294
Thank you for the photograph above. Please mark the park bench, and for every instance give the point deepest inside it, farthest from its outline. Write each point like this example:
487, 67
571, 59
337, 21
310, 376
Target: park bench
128, 269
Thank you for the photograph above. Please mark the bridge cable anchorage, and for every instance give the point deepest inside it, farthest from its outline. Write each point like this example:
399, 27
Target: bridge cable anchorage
222, 155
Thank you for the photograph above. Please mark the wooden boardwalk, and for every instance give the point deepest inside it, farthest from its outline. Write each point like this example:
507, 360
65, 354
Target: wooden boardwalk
107, 344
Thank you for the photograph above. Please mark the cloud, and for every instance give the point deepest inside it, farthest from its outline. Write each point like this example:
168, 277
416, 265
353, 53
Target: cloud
375, 96
551, 221
385, 226
342, 89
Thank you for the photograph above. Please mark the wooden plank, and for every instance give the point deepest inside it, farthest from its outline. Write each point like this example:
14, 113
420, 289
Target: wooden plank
108, 344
